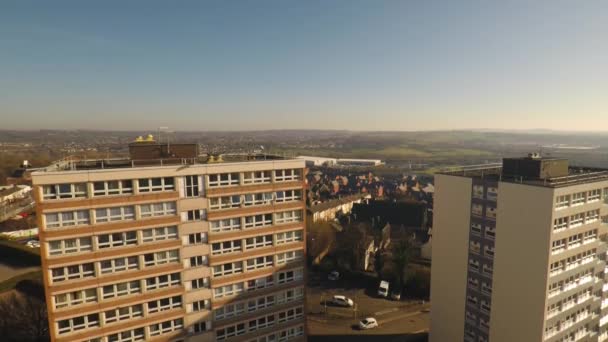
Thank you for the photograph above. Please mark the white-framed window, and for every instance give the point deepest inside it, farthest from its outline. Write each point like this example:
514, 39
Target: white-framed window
166, 327
119, 264
200, 283
121, 289
258, 241
73, 272
123, 313
67, 219
562, 201
231, 331
225, 225
289, 276
201, 305
485, 306
472, 300
191, 186
159, 234
578, 198
290, 295
199, 260
259, 262
162, 281
110, 188
477, 209
476, 228
228, 290
490, 232
226, 202
288, 195
128, 336
592, 216
260, 283
577, 220
200, 327
260, 323
474, 265
475, 247
74, 298
229, 310
114, 214
288, 237
492, 194
558, 246
223, 179
226, 247
116, 239
286, 175
478, 191
197, 238
228, 268
488, 269
590, 236
164, 304
486, 287
63, 191
260, 198
156, 184
256, 221
194, 215
285, 335
291, 314
473, 283
157, 209
160, 258
488, 251
77, 323
560, 223
291, 256
288, 216
491, 212
257, 177
68, 246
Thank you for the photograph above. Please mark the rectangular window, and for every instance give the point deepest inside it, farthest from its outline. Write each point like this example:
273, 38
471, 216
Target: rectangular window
288, 257
477, 209
592, 216
156, 184
560, 224
288, 196
128, 336
73, 272
228, 290
490, 232
227, 269
162, 281
594, 195
226, 247
258, 241
70, 246
116, 240
123, 313
225, 225
288, 216
164, 304
121, 289
157, 209
159, 234
475, 247
256, 221
160, 258
578, 198
77, 323
70, 299
290, 295
289, 276
166, 327
478, 191
473, 265
231, 331
291, 314
201, 305
199, 260
67, 219
114, 214
476, 229
195, 215
119, 264
260, 283
200, 283
288, 237
226, 202
562, 201
110, 188
63, 191
200, 327
262, 198
229, 310
577, 220
191, 186
223, 179
286, 175
256, 177
197, 238
259, 262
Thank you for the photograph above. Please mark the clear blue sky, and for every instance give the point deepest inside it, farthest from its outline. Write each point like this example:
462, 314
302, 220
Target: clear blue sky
327, 64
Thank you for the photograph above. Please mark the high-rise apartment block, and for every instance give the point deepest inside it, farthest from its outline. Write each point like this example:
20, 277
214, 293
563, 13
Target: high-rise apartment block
519, 253
173, 249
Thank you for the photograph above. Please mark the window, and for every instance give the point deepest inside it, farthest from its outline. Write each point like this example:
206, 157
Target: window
77, 323
116, 239
475, 247
261, 322
191, 185
227, 269
62, 191
166, 327
226, 247
478, 191
487, 269
486, 288
291, 256
223, 179
225, 225
226, 202
474, 265
194, 215
70, 246
286, 175
199, 327
201, 305
124, 313
258, 242
67, 219
256, 177
259, 262
114, 214
128, 336
490, 232
492, 194
121, 289
73, 272
590, 236
285, 335
472, 300
578, 198
577, 220
228, 290
476, 228
156, 184
160, 258
291, 314
258, 199
109, 188
491, 212
290, 295
288, 196
157, 209
488, 251
197, 238
260, 283
162, 281
594, 195
289, 276
231, 331
200, 283
119, 264
560, 224
473, 283
74, 298
164, 304
229, 310
562, 201
159, 234
288, 237
288, 216
485, 306
592, 216
477, 209
255, 221
199, 260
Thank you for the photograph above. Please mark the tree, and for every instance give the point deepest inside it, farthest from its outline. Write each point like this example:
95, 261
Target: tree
23, 318
401, 259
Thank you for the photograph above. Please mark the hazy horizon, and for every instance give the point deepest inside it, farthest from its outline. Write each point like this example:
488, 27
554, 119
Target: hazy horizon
283, 65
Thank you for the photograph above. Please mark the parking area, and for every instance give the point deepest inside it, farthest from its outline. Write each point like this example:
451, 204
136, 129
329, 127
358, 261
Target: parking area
406, 319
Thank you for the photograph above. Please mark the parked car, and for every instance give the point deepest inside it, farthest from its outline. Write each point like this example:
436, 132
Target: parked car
383, 289
33, 244
333, 275
368, 323
342, 301
396, 295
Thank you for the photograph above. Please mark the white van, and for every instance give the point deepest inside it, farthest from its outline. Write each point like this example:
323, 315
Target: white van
383, 289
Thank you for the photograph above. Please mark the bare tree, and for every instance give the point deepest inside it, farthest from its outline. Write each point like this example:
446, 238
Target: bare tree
23, 318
